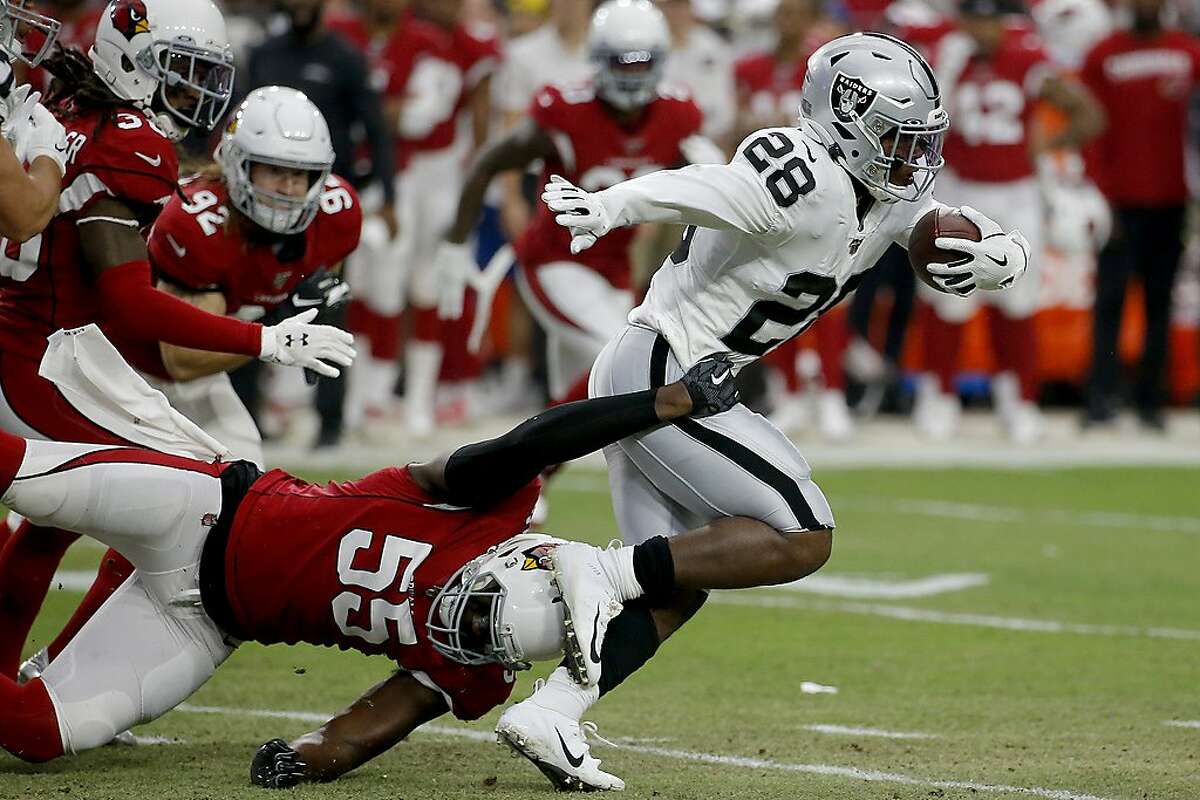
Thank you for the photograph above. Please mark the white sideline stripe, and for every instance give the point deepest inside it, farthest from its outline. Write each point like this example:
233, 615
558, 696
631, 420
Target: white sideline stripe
143, 741
971, 512
863, 588
744, 598
1183, 723
852, 773
846, 730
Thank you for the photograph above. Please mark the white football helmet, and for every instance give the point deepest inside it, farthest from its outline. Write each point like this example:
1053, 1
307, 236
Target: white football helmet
146, 50
26, 34
628, 43
502, 607
278, 126
878, 107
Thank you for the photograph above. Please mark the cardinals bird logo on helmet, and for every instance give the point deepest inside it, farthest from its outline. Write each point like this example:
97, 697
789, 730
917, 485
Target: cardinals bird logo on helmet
129, 18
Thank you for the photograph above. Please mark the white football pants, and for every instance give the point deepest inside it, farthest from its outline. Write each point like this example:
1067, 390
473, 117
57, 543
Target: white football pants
150, 646
686, 474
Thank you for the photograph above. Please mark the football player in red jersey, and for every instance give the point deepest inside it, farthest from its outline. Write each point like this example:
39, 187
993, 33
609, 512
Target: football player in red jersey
617, 126
411, 563
993, 72
158, 69
266, 233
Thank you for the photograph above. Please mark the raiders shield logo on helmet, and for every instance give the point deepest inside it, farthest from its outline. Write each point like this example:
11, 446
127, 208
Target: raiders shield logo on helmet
129, 18
850, 97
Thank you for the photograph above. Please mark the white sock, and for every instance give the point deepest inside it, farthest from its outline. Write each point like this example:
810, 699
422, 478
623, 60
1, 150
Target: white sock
565, 696
618, 568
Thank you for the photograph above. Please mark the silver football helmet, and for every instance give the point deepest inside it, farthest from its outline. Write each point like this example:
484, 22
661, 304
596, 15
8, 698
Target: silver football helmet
279, 126
628, 43
502, 607
26, 34
878, 107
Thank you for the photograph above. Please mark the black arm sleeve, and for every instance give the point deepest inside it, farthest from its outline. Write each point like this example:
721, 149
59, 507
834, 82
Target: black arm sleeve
485, 472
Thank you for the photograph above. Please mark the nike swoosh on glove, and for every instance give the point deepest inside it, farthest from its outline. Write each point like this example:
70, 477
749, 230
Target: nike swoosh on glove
712, 385
579, 211
996, 261
277, 766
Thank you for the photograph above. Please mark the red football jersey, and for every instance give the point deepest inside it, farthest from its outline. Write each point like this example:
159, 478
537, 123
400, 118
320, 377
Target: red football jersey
595, 152
355, 566
477, 51
194, 245
1145, 85
421, 68
991, 104
45, 283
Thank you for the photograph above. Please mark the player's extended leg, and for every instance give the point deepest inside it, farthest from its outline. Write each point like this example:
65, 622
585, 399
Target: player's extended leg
121, 669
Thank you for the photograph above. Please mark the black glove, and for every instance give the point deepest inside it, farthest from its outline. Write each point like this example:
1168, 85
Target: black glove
322, 290
277, 766
7, 78
711, 385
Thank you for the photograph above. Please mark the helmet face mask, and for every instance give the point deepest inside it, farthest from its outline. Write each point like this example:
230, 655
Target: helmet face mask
25, 34
195, 86
877, 106
277, 127
627, 80
499, 608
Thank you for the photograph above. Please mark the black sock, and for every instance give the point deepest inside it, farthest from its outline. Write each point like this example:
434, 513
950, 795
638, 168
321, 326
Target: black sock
654, 568
631, 641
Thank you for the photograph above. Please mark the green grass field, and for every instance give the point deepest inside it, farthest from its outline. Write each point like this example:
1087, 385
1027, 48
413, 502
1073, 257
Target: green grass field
1055, 675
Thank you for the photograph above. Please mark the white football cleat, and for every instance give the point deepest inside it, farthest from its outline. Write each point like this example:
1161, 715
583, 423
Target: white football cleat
936, 414
589, 604
555, 743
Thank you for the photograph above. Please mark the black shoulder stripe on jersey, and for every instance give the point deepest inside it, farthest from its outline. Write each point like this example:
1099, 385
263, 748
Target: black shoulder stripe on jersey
739, 454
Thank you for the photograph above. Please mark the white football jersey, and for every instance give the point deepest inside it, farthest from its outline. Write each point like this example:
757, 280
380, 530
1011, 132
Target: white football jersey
775, 242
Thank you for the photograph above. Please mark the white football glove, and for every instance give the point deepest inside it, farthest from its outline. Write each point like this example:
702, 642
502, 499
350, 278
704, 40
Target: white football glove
456, 270
33, 131
996, 261
295, 342
579, 211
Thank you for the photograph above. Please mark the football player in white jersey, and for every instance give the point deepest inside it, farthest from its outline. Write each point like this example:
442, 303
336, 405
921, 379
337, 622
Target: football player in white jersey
775, 238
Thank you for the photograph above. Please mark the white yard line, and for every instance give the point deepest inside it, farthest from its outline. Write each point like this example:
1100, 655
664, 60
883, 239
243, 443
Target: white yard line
1183, 723
846, 730
861, 587
744, 598
850, 773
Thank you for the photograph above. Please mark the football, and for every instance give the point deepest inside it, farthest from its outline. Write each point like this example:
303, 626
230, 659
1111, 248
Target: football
937, 223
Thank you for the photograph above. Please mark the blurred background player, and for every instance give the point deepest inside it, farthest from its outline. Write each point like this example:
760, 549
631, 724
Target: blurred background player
596, 133
334, 74
702, 62
1144, 76
993, 71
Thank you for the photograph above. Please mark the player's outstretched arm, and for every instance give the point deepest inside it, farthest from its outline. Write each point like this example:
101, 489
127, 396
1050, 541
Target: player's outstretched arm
133, 308
379, 720
485, 472
720, 196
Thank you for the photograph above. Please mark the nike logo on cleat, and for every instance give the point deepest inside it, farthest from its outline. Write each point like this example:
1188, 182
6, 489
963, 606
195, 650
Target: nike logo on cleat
717, 381
998, 262
595, 655
572, 759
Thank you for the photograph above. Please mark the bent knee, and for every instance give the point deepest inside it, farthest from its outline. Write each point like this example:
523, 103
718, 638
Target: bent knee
805, 552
